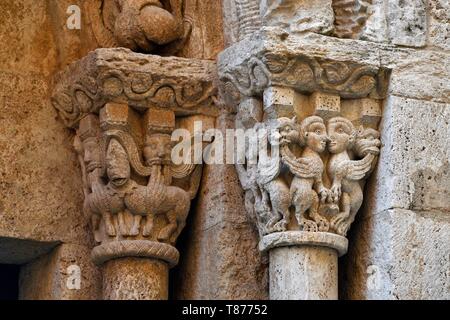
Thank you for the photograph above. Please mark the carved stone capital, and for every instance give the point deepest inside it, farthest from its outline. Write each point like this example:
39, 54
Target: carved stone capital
185, 86
273, 57
124, 107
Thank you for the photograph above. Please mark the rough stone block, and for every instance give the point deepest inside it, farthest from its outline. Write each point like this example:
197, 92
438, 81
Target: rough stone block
399, 254
326, 105
407, 22
279, 102
413, 170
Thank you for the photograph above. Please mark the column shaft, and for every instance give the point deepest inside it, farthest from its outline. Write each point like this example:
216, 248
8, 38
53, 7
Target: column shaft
135, 279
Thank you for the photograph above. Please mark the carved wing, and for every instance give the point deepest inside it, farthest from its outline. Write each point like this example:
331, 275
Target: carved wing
268, 166
300, 167
356, 169
181, 171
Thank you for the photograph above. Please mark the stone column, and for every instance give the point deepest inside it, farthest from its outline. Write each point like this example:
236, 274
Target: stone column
317, 119
135, 270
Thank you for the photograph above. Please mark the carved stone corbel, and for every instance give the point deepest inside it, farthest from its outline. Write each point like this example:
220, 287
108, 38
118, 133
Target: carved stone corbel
124, 107
140, 25
320, 117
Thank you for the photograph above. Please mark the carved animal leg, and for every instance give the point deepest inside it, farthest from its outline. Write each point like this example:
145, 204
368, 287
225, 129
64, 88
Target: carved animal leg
282, 224
338, 222
302, 201
168, 230
136, 225
356, 199
274, 218
148, 226
322, 223
109, 225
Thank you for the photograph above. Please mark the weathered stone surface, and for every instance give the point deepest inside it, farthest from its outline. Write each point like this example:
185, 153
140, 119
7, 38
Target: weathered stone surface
66, 273
298, 15
418, 74
18, 251
439, 25
350, 17
119, 75
399, 254
36, 164
413, 170
305, 63
304, 239
135, 279
407, 22
303, 273
376, 28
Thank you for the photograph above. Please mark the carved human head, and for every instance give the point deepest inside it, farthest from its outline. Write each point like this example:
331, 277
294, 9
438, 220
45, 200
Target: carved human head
314, 133
117, 164
143, 25
342, 134
89, 133
158, 149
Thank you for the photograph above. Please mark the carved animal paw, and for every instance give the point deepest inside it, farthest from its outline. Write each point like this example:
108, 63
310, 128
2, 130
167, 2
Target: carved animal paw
280, 226
166, 232
342, 228
324, 194
308, 226
335, 193
322, 224
339, 224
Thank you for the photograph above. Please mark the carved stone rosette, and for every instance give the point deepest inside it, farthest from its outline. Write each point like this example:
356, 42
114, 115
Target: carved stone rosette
124, 107
324, 114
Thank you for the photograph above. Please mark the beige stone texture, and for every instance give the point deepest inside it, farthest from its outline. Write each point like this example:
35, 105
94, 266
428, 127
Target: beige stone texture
398, 254
400, 247
135, 279
40, 195
66, 273
303, 273
221, 259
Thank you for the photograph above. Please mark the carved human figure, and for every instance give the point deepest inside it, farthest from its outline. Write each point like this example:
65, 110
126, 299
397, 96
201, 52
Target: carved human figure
87, 146
108, 200
171, 201
346, 174
140, 25
275, 190
307, 188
